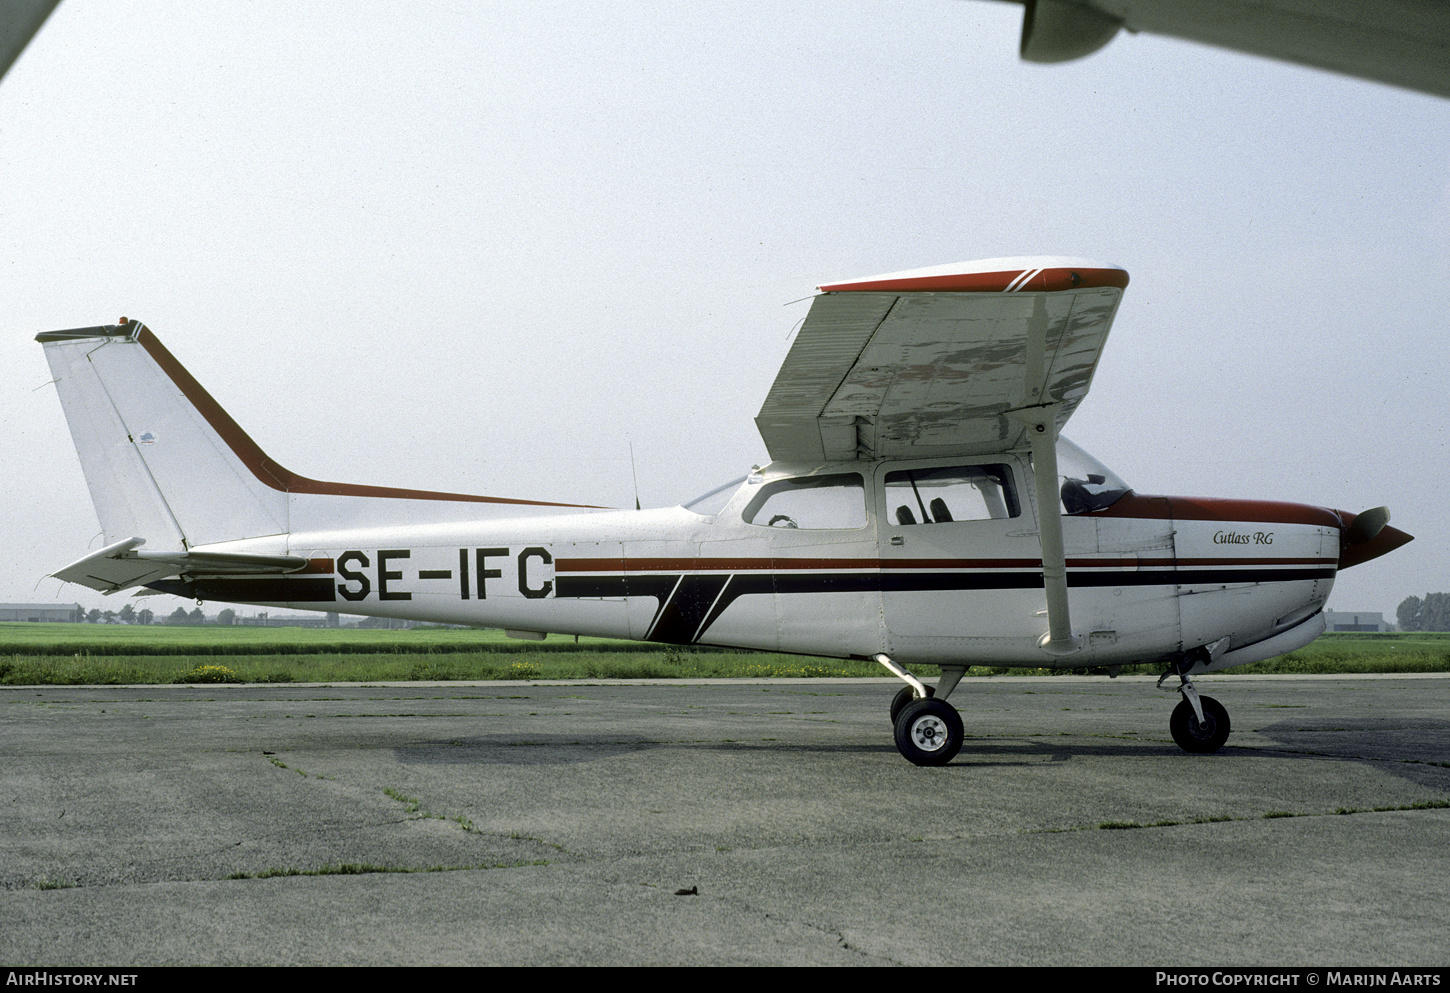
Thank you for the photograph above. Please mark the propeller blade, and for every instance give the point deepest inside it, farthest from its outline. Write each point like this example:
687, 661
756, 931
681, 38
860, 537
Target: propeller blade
1365, 526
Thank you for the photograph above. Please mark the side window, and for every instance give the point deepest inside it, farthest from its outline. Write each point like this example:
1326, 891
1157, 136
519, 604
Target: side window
810, 503
953, 493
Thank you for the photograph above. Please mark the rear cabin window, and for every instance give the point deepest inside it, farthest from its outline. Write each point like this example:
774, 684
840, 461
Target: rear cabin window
810, 503
951, 493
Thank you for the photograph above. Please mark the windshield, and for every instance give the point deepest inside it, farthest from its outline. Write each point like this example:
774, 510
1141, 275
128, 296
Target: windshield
1085, 484
711, 503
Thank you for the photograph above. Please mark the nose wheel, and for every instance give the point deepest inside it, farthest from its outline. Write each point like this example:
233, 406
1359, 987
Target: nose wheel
928, 732
1199, 723
1199, 736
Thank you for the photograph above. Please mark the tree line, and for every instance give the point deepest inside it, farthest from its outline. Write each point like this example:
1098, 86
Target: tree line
130, 615
1430, 613
194, 617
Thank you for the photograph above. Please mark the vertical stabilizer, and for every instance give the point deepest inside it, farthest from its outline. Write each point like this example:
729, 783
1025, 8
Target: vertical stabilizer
165, 463
157, 467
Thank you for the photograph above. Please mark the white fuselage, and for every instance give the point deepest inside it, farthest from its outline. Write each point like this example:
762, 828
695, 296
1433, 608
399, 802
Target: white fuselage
1149, 577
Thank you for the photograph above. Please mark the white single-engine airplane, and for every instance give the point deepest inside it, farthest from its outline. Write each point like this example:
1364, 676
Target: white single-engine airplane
920, 509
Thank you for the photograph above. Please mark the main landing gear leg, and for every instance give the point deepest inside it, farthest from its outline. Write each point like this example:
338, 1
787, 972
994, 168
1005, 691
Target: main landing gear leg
1199, 724
928, 730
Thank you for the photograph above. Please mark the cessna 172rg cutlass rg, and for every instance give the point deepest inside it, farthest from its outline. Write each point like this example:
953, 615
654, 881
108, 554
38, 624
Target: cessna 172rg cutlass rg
920, 509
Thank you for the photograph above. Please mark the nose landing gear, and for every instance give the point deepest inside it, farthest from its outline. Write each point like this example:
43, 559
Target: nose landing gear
1199, 724
1195, 735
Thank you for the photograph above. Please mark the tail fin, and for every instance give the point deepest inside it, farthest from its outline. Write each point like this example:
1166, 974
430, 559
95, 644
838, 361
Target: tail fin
165, 463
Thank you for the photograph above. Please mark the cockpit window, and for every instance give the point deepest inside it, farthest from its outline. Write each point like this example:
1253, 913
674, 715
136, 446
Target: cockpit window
810, 503
952, 493
1084, 483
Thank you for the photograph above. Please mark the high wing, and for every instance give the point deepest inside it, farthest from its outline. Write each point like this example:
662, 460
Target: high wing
928, 363
1401, 42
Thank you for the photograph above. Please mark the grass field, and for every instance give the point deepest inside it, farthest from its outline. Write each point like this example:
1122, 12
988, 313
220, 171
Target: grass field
72, 654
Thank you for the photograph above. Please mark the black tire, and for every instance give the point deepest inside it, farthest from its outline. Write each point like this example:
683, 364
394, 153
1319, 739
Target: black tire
904, 696
1197, 738
929, 732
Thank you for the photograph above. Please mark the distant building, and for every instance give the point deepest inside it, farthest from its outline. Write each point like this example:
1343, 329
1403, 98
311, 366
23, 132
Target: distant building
47, 613
266, 620
1360, 621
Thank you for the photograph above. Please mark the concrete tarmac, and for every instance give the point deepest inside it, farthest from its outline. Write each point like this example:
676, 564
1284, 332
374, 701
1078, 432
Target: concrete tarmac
556, 824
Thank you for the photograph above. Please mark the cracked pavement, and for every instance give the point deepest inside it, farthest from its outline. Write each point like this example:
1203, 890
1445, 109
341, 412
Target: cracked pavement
554, 823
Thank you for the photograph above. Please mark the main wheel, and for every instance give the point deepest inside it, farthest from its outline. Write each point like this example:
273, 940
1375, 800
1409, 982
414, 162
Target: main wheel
929, 732
904, 696
1195, 737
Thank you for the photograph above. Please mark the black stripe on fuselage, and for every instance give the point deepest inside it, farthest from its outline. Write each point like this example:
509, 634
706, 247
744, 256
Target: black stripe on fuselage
321, 589
690, 603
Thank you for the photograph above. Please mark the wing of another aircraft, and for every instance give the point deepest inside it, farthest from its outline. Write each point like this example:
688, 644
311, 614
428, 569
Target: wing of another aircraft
1402, 42
19, 20
927, 363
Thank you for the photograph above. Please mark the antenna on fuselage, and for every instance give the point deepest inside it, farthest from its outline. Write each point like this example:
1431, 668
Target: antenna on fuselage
634, 475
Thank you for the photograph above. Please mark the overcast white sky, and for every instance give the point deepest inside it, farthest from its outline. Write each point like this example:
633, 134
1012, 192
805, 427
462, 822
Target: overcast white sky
486, 247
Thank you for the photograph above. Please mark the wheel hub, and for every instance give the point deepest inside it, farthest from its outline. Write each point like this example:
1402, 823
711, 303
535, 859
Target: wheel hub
929, 733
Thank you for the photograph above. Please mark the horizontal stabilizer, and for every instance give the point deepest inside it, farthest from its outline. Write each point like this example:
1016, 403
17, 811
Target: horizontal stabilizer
124, 564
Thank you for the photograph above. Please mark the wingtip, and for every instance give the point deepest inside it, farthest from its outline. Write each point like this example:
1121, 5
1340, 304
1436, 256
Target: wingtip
1034, 274
128, 329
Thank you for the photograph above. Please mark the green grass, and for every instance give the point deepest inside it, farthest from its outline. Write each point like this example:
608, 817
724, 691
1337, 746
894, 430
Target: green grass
158, 639
643, 663
76, 654
1427, 651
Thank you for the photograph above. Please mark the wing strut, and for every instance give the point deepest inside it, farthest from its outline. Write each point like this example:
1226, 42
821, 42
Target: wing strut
1042, 422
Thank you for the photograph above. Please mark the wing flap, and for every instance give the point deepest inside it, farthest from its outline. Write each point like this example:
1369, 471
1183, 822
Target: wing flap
827, 347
